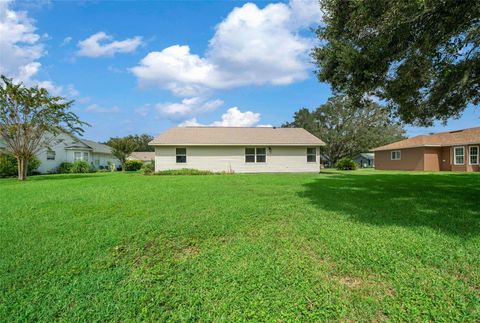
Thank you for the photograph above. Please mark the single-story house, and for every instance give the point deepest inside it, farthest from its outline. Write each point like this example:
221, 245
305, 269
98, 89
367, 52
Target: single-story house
144, 156
238, 149
444, 151
365, 160
69, 148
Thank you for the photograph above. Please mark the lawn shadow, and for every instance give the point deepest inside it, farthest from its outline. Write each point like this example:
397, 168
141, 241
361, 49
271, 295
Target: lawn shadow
446, 202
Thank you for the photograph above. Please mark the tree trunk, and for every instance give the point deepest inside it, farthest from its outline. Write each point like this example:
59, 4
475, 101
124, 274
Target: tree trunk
22, 168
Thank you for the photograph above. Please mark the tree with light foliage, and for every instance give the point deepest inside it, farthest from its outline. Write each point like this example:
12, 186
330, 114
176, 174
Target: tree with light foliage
122, 147
30, 119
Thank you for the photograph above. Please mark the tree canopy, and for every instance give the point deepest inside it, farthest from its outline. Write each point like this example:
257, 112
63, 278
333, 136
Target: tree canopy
30, 119
141, 142
346, 128
421, 57
122, 147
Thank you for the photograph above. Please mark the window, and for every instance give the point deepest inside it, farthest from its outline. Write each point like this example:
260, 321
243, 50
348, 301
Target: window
311, 155
249, 155
85, 156
261, 155
459, 155
253, 155
50, 155
181, 154
77, 156
395, 155
473, 155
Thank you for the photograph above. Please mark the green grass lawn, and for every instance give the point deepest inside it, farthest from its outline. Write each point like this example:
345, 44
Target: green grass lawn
365, 245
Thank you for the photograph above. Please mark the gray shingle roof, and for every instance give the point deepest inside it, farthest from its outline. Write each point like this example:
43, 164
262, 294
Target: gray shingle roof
97, 147
217, 136
142, 155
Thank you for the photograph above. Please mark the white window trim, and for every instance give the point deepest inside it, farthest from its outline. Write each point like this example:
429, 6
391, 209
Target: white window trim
399, 155
77, 152
455, 155
470, 154
52, 153
310, 162
255, 155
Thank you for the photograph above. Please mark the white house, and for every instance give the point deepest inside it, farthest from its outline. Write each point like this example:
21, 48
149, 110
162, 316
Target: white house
68, 148
241, 150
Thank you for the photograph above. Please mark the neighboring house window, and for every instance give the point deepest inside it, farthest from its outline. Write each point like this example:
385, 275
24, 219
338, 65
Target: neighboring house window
474, 155
253, 155
395, 155
50, 155
459, 155
181, 154
97, 162
311, 155
85, 156
77, 156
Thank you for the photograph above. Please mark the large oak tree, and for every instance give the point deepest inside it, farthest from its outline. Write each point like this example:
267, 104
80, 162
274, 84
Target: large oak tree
421, 57
30, 119
348, 128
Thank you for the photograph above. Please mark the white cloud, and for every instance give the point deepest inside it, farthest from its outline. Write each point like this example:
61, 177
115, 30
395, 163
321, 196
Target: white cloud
99, 109
69, 92
187, 107
21, 48
101, 44
143, 110
252, 46
66, 41
232, 118
175, 69
20, 45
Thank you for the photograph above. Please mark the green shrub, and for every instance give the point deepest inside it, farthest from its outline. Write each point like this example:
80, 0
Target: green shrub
148, 168
65, 168
133, 165
188, 171
8, 165
346, 163
80, 166
111, 166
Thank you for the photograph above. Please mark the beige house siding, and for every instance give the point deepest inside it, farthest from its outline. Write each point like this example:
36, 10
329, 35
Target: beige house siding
232, 158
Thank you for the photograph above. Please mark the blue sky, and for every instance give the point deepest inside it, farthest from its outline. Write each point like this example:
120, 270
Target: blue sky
142, 67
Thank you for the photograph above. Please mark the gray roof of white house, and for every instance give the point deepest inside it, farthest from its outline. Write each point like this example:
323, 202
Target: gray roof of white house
240, 136
97, 147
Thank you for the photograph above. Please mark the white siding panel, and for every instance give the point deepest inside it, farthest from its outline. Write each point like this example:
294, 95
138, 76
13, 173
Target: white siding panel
226, 158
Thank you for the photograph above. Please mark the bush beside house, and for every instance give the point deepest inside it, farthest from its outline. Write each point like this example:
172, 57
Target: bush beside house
9, 168
346, 163
133, 165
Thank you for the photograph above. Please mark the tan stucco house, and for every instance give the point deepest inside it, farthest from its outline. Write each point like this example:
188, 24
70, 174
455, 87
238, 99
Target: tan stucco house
443, 151
238, 149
